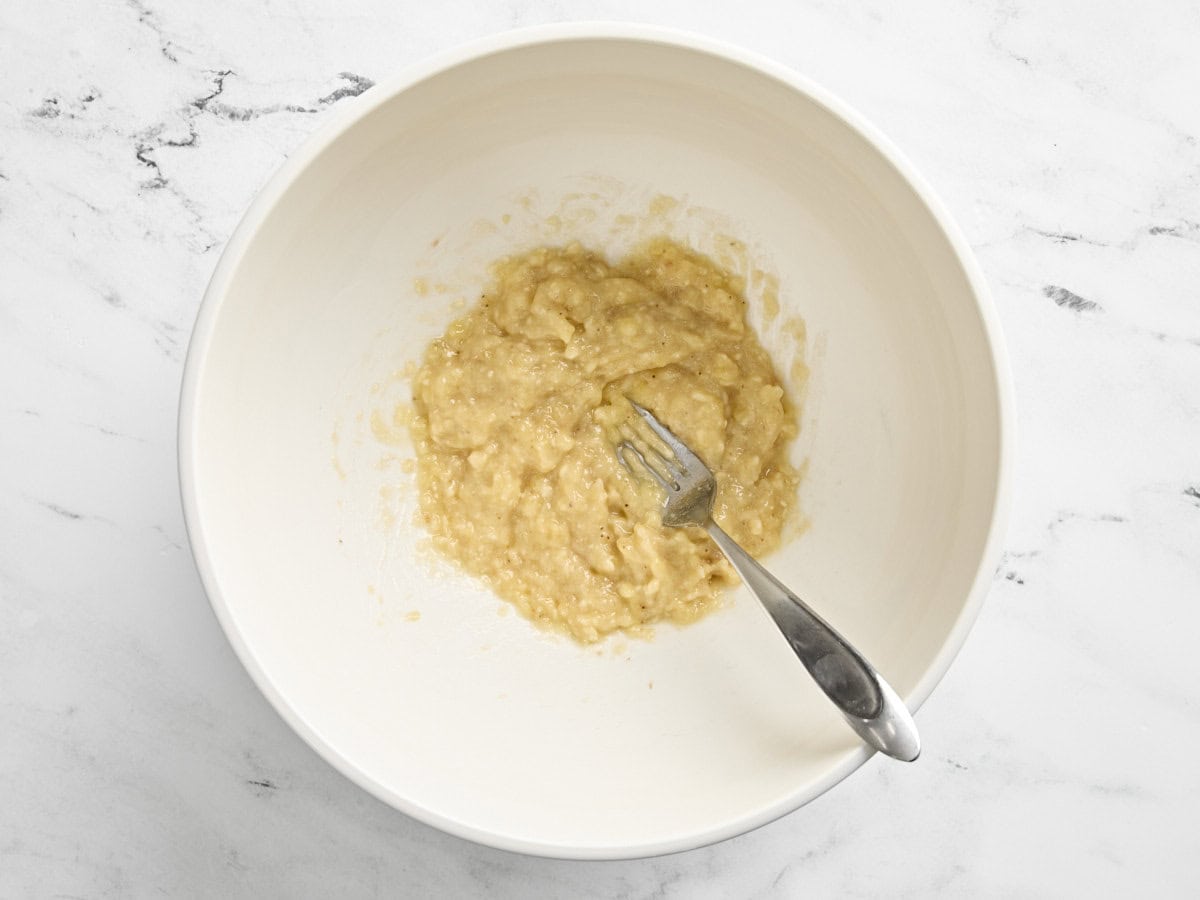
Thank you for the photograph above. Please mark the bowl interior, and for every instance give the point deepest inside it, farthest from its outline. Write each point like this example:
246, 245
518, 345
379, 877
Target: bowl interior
410, 677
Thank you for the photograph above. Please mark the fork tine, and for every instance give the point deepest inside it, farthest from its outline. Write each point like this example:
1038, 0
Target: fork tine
625, 446
671, 468
687, 460
646, 444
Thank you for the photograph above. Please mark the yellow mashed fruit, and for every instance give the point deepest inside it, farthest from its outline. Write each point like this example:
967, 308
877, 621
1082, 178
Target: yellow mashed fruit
519, 405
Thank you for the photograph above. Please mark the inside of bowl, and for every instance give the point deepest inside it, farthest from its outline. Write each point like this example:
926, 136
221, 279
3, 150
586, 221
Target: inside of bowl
410, 676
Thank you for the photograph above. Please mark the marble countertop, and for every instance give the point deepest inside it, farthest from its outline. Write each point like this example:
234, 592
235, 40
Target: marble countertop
138, 759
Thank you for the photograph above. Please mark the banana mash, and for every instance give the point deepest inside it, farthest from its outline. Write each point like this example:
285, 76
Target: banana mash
518, 407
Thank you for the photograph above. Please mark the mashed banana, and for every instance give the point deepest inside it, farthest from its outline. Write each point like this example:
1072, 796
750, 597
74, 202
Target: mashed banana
518, 407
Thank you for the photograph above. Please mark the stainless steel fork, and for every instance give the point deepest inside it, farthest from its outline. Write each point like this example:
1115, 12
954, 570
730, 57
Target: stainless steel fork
860, 693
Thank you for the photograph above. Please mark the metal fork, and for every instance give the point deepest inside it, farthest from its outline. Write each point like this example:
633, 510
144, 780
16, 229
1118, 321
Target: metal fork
867, 702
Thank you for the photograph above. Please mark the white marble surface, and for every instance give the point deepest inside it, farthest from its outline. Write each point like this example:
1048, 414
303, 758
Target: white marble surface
136, 757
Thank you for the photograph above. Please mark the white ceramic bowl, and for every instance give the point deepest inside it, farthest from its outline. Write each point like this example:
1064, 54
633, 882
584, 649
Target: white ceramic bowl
474, 721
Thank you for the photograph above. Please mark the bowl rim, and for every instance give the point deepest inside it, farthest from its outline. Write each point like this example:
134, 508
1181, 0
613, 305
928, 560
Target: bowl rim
355, 109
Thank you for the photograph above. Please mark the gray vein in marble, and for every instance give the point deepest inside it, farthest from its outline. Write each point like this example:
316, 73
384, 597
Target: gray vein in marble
166, 334
1185, 230
358, 85
815, 851
209, 104
149, 18
141, 154
148, 140
1070, 299
111, 432
1009, 569
662, 890
1006, 11
1163, 337
1063, 237
264, 787
61, 511
48, 110
68, 514
162, 532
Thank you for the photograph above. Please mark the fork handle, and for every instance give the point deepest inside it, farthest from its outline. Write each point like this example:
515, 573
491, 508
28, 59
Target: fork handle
867, 702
